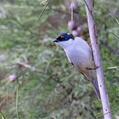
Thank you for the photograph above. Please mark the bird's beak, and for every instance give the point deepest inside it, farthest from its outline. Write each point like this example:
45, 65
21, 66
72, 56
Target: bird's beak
55, 40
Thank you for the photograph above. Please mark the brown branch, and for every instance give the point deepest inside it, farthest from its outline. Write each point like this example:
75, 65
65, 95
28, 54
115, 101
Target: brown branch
97, 59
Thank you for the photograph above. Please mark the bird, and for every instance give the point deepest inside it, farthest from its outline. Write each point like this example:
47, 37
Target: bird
79, 54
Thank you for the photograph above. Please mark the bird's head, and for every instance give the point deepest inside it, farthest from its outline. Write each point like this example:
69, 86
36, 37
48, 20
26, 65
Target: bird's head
64, 40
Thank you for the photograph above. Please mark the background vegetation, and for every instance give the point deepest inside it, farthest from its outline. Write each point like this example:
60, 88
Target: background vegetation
36, 81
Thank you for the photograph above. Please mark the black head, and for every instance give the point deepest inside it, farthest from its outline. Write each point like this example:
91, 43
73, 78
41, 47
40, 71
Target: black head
64, 37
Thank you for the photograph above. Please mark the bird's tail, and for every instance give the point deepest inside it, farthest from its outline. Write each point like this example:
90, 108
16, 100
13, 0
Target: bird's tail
96, 88
93, 78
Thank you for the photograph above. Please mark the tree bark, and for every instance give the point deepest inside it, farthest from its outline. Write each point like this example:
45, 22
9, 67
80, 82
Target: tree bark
97, 59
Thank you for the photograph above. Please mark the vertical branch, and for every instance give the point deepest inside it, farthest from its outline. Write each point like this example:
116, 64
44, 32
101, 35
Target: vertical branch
97, 59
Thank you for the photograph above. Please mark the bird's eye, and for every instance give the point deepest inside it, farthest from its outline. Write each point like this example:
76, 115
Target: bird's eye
61, 37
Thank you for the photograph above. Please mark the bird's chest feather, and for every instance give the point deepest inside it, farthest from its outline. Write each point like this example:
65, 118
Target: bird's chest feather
79, 57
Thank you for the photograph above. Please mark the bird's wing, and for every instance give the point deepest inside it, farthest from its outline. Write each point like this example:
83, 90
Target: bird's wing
82, 42
87, 49
68, 56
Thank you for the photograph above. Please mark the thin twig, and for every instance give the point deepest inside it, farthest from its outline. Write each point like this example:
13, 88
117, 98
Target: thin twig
43, 10
17, 96
114, 67
2, 115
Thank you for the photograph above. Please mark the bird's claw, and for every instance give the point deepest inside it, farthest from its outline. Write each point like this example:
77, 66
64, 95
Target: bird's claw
92, 68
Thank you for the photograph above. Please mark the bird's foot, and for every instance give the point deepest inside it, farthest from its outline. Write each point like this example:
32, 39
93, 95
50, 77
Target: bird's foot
92, 68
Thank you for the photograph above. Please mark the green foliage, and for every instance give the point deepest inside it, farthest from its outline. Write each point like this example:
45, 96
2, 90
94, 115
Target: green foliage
50, 87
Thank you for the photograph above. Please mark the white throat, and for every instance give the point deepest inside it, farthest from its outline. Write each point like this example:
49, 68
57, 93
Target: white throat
65, 44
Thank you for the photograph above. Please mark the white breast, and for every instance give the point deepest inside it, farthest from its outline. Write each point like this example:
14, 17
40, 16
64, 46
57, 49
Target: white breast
79, 53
